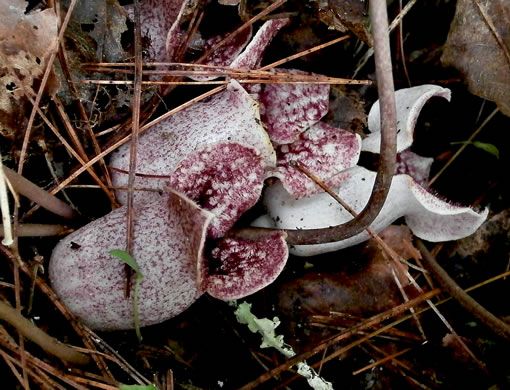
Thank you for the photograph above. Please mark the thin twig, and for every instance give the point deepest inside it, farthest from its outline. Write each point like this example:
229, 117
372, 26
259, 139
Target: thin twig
49, 67
401, 45
448, 284
135, 125
392, 27
366, 324
9, 361
117, 358
299, 79
304, 52
464, 146
381, 361
16, 312
31, 191
32, 332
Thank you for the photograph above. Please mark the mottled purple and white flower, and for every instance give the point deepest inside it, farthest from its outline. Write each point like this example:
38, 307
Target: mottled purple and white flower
428, 216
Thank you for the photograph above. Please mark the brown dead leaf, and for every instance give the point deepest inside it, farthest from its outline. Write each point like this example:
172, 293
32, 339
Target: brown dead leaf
473, 49
398, 238
26, 43
103, 21
347, 15
359, 294
346, 109
496, 228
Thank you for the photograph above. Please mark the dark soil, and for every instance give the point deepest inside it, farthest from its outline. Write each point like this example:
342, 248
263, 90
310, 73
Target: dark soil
205, 347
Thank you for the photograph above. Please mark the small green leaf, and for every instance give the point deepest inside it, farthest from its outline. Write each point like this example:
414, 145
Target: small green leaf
489, 148
126, 258
130, 261
137, 387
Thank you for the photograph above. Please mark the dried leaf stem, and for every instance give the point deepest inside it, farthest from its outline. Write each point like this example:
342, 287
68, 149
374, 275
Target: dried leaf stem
449, 285
39, 230
49, 67
135, 126
46, 342
45, 199
4, 208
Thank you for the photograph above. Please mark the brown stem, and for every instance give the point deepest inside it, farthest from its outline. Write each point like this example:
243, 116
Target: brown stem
46, 342
388, 152
135, 127
39, 230
449, 285
31, 191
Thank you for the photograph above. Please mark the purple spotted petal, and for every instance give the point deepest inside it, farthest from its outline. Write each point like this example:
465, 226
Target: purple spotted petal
157, 17
427, 216
240, 267
322, 149
414, 165
222, 56
409, 102
289, 109
229, 51
168, 241
231, 115
252, 56
225, 178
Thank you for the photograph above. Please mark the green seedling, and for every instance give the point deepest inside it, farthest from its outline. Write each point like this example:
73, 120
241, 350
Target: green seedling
126, 258
489, 148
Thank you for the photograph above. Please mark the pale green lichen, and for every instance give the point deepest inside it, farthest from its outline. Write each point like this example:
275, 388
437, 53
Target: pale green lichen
266, 328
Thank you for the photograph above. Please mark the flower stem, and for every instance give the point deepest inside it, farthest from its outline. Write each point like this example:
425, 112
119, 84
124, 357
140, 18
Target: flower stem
388, 152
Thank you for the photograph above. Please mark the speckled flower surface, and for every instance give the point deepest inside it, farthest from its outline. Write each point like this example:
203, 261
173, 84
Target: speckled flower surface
289, 109
322, 149
168, 241
224, 178
239, 267
231, 115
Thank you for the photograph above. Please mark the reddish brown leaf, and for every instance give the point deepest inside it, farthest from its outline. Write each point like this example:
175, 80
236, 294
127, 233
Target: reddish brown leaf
472, 48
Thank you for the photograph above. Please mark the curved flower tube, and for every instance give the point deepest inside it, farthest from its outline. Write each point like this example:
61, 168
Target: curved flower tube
409, 102
426, 215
